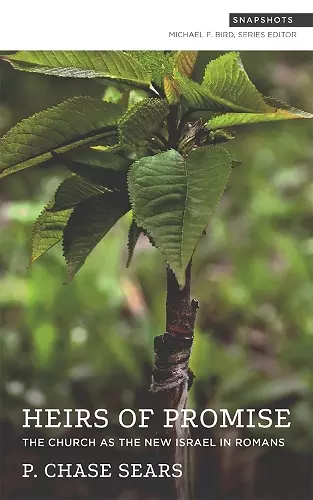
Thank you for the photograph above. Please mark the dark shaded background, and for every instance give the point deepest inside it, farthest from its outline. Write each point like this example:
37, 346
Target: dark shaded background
89, 344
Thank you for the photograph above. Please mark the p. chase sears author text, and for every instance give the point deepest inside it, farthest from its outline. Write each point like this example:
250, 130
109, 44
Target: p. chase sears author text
93, 470
128, 418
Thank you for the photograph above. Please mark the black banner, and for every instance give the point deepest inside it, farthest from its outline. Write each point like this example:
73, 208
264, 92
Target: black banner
271, 20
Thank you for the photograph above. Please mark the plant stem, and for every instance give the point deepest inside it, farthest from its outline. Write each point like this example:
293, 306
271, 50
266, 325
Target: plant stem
172, 120
171, 381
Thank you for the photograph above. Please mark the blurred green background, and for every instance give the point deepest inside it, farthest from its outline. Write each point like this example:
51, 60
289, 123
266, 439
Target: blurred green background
89, 344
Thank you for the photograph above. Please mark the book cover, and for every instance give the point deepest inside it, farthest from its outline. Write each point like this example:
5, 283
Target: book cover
156, 256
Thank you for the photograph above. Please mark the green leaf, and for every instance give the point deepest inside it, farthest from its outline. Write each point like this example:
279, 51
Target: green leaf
173, 198
101, 167
48, 228
72, 191
225, 87
279, 111
226, 78
72, 123
142, 119
283, 107
155, 62
98, 158
201, 97
220, 136
115, 65
133, 235
184, 61
90, 221
47, 231
171, 90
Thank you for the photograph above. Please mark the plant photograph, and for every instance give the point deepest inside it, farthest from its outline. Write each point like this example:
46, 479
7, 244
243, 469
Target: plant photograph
156, 258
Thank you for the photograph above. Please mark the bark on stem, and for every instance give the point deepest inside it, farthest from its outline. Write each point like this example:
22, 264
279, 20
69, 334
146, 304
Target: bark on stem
172, 379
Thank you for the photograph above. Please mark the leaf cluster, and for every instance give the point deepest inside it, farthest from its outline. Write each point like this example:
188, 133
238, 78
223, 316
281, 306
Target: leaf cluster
155, 157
